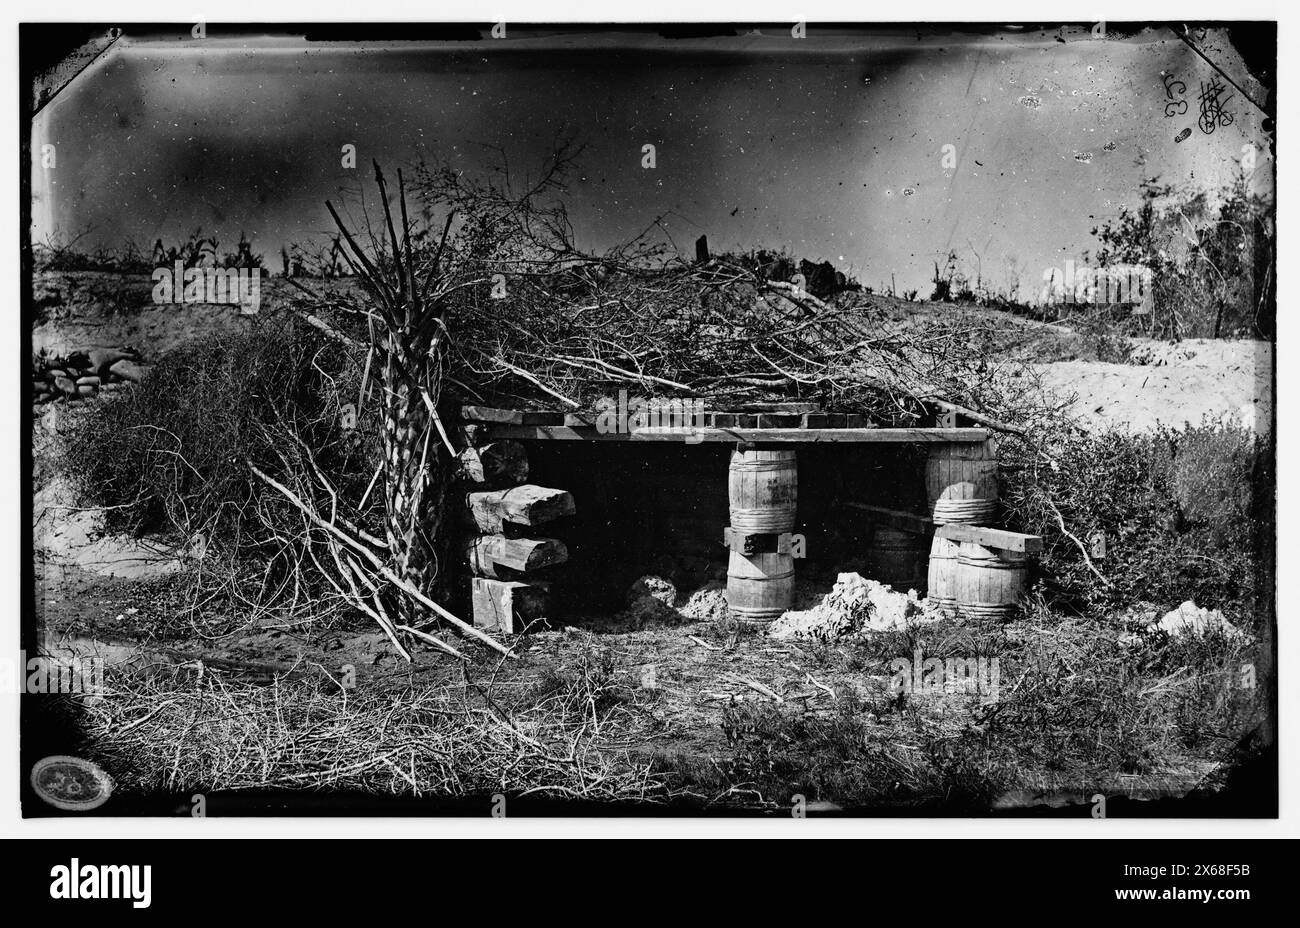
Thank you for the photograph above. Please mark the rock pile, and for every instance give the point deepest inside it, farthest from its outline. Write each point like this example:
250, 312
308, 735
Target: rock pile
83, 374
855, 605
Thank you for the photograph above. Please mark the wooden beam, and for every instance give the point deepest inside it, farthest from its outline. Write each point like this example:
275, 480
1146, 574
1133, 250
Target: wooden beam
506, 606
692, 436
771, 420
510, 416
526, 505
501, 558
778, 407
894, 518
497, 464
758, 542
990, 537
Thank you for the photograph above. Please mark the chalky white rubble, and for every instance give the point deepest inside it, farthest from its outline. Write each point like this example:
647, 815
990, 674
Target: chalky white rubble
855, 605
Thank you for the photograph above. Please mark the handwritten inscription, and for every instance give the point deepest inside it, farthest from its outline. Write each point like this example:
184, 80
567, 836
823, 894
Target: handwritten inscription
1173, 105
1213, 101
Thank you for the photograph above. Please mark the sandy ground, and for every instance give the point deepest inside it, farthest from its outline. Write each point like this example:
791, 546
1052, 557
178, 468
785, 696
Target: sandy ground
1187, 382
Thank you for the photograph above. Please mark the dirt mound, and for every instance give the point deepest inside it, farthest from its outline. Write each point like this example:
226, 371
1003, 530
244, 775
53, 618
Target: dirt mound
707, 604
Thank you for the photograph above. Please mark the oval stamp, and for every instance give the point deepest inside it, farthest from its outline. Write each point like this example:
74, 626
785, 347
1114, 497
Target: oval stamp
71, 783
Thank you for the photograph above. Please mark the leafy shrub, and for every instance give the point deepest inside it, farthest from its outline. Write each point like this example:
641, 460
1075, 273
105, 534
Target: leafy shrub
1212, 258
170, 454
1183, 513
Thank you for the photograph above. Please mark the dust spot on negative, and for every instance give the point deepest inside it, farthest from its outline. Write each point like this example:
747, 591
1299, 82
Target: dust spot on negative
1029, 101
909, 191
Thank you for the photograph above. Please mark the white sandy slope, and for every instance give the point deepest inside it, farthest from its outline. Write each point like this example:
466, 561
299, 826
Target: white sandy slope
1199, 378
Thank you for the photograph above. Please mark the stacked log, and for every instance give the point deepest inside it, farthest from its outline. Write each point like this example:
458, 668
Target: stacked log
509, 567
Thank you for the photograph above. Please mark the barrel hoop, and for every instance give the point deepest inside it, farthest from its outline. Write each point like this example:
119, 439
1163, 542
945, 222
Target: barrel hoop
764, 577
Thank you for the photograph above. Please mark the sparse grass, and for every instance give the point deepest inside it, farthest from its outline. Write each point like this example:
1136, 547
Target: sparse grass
173, 733
1074, 712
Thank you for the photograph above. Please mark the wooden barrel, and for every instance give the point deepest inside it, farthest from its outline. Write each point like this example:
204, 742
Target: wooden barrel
896, 558
762, 488
961, 482
989, 581
759, 586
941, 580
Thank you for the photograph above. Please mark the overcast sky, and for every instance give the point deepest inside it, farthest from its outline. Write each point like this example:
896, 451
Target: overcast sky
833, 148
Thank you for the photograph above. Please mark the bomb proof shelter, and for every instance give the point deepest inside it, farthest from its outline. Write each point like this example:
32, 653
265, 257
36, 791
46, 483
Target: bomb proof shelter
762, 489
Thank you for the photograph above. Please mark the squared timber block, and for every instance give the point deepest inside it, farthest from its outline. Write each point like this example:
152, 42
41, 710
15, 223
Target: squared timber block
991, 537
525, 505
734, 420
495, 464
749, 543
506, 606
500, 558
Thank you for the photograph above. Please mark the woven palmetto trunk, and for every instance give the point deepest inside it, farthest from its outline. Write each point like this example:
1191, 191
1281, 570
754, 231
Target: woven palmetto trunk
413, 473
407, 341
408, 353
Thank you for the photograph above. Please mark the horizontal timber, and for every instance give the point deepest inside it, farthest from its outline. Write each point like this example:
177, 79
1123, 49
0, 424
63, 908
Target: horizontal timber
894, 518
691, 436
991, 537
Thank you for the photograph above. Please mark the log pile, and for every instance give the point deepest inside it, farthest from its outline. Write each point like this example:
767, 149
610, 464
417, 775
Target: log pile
509, 561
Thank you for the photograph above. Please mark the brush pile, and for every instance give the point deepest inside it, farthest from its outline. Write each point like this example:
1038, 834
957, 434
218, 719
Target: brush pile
714, 331
535, 322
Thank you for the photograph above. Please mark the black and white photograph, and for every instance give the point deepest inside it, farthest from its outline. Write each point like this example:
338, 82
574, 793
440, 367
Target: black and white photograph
648, 420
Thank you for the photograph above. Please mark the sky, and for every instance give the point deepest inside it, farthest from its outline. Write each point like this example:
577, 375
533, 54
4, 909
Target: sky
831, 146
